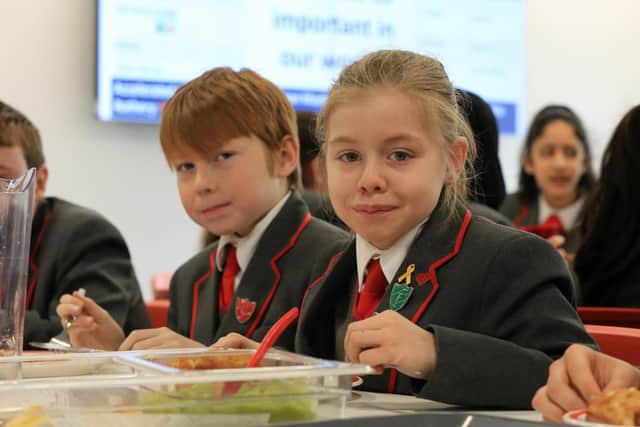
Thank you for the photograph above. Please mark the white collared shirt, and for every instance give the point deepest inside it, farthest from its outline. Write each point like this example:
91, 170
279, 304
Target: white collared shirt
390, 259
568, 215
246, 246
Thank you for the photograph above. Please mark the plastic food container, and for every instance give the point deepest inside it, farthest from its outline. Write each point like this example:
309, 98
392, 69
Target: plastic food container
177, 387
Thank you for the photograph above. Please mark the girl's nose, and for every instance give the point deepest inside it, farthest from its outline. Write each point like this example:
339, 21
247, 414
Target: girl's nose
372, 178
560, 159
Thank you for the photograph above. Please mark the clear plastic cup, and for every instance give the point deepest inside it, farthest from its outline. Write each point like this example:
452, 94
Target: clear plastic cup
16, 212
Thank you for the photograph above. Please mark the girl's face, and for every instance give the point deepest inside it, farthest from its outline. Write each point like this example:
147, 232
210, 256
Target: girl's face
557, 162
385, 171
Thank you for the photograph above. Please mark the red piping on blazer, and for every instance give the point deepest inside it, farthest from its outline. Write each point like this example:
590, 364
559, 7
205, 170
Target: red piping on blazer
393, 376
32, 262
274, 267
212, 262
315, 282
524, 211
196, 291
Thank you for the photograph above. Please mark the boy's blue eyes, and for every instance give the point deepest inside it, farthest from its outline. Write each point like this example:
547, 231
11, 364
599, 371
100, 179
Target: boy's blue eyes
224, 156
184, 167
188, 166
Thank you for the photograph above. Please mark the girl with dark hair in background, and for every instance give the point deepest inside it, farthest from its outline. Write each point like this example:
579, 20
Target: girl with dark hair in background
555, 177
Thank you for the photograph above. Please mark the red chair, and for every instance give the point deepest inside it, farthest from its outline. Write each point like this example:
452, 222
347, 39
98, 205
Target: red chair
612, 316
623, 343
160, 285
158, 312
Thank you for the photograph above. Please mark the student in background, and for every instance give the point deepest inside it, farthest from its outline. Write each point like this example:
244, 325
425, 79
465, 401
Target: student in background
487, 185
608, 265
446, 305
312, 170
555, 177
231, 138
71, 246
314, 183
608, 260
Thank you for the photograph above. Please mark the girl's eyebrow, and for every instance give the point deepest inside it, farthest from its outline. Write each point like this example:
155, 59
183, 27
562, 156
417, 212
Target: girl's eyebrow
401, 137
396, 138
342, 140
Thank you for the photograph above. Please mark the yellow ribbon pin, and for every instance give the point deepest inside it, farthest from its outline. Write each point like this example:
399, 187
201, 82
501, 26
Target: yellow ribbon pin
406, 277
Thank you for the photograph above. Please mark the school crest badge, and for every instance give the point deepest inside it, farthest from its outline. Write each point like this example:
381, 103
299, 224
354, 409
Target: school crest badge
401, 292
244, 309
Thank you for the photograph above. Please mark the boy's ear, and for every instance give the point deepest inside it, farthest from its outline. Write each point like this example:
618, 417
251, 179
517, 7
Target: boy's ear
42, 175
457, 158
287, 156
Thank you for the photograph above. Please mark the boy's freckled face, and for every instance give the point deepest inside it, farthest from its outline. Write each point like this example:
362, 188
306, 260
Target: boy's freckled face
229, 191
385, 171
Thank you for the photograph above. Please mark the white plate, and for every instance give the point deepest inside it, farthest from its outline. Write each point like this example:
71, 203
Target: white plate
579, 418
55, 368
58, 368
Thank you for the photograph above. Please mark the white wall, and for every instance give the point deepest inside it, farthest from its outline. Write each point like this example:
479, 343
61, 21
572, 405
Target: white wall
580, 52
583, 53
47, 68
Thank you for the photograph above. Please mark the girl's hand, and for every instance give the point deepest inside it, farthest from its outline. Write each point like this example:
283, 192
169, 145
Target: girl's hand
577, 377
557, 241
92, 326
145, 339
391, 340
235, 340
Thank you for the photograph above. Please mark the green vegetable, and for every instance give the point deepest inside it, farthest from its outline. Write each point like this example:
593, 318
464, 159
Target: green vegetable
284, 401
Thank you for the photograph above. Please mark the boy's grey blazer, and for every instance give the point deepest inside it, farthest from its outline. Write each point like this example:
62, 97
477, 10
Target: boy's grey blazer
294, 249
74, 247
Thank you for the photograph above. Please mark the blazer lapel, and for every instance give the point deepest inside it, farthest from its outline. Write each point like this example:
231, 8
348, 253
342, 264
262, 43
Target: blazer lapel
433, 247
205, 307
40, 221
438, 242
262, 277
317, 334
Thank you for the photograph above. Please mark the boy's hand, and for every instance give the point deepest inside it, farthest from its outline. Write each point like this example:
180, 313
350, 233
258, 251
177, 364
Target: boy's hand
235, 340
391, 340
577, 377
144, 339
92, 326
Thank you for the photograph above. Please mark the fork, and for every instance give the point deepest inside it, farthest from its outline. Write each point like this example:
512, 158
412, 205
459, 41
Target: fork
69, 320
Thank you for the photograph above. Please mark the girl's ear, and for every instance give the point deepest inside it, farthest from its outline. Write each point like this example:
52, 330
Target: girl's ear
457, 158
287, 156
527, 164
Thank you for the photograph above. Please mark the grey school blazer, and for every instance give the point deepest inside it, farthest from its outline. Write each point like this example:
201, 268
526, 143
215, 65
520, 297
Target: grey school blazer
499, 302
